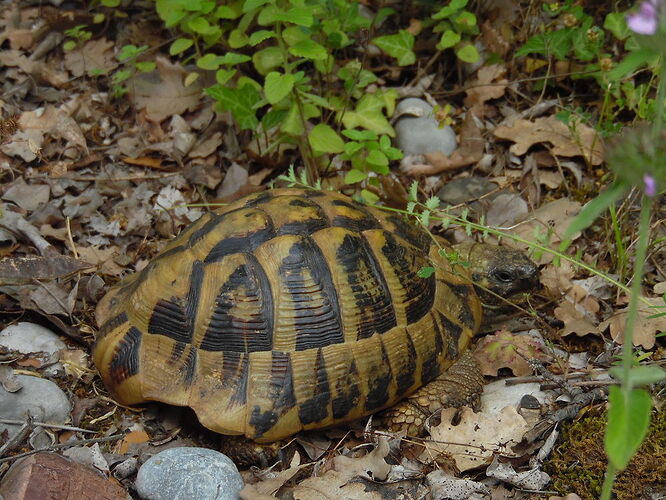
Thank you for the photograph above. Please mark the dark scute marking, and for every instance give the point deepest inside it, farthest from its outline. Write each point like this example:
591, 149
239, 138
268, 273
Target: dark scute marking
378, 387
227, 332
315, 409
405, 379
262, 421
237, 244
125, 361
263, 197
348, 393
463, 292
177, 351
454, 331
175, 318
111, 324
314, 326
348, 204
420, 292
232, 363
356, 225
282, 382
431, 368
206, 228
312, 193
299, 203
303, 228
371, 292
190, 367
410, 233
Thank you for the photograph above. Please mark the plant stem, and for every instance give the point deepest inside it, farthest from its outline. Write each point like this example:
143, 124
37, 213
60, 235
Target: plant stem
659, 102
639, 266
609, 479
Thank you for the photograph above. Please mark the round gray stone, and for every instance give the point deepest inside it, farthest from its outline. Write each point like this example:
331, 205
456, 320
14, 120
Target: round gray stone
185, 473
417, 131
27, 338
40, 397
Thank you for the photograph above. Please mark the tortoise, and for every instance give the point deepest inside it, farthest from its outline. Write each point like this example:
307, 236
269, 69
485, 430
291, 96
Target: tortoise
295, 309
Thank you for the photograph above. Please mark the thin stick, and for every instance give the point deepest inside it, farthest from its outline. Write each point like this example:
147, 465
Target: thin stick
48, 426
68, 444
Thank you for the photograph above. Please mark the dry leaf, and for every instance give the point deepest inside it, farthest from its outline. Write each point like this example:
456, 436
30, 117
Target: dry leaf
134, 437
506, 350
162, 92
574, 320
102, 258
56, 123
490, 83
474, 440
335, 483
580, 140
270, 485
92, 56
27, 196
644, 329
20, 270
557, 279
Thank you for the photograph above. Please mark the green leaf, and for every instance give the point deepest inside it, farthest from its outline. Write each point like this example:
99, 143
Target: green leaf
69, 45
208, 61
449, 39
351, 148
325, 140
640, 375
240, 101
628, 421
253, 4
369, 197
273, 118
267, 59
237, 38
111, 3
535, 45
360, 135
226, 12
302, 16
632, 62
593, 209
259, 36
560, 43
398, 46
277, 86
466, 22
308, 49
199, 25
222, 76
232, 59
180, 45
294, 34
146, 66
413, 192
448, 10
616, 23
425, 272
368, 114
467, 53
354, 176
378, 159
293, 123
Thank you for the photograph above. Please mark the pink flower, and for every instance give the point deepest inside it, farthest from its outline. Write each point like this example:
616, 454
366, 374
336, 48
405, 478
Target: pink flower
646, 20
650, 185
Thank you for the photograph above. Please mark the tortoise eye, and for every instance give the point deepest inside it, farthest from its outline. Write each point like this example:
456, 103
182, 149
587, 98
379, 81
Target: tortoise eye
503, 276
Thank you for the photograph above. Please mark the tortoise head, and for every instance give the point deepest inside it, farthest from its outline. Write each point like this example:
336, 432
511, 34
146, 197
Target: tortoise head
499, 272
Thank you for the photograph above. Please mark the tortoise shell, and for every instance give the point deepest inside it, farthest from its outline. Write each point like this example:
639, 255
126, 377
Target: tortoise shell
289, 309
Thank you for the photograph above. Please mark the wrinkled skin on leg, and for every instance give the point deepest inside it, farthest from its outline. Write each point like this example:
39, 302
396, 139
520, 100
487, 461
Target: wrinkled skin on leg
460, 385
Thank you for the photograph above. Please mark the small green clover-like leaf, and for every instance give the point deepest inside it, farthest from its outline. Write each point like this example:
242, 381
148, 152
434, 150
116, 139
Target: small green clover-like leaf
253, 4
308, 49
628, 421
368, 114
398, 46
468, 53
227, 12
69, 45
325, 140
222, 76
369, 197
302, 16
120, 76
232, 59
293, 123
277, 86
360, 135
352, 147
354, 176
267, 59
425, 272
378, 161
180, 45
199, 25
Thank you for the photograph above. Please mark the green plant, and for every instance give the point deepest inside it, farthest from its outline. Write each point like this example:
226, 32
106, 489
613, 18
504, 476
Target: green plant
128, 57
78, 35
574, 36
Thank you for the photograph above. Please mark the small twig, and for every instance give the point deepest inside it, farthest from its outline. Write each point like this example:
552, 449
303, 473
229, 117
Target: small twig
70, 239
48, 426
68, 444
17, 439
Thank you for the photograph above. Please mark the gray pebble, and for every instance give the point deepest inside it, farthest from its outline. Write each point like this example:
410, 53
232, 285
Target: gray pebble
185, 473
26, 338
417, 131
42, 398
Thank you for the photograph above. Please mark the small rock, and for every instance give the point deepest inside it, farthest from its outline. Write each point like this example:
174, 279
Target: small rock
42, 398
185, 473
47, 475
27, 338
460, 191
418, 132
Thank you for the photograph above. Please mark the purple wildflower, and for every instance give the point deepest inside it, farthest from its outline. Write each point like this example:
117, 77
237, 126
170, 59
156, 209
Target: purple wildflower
646, 20
650, 185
